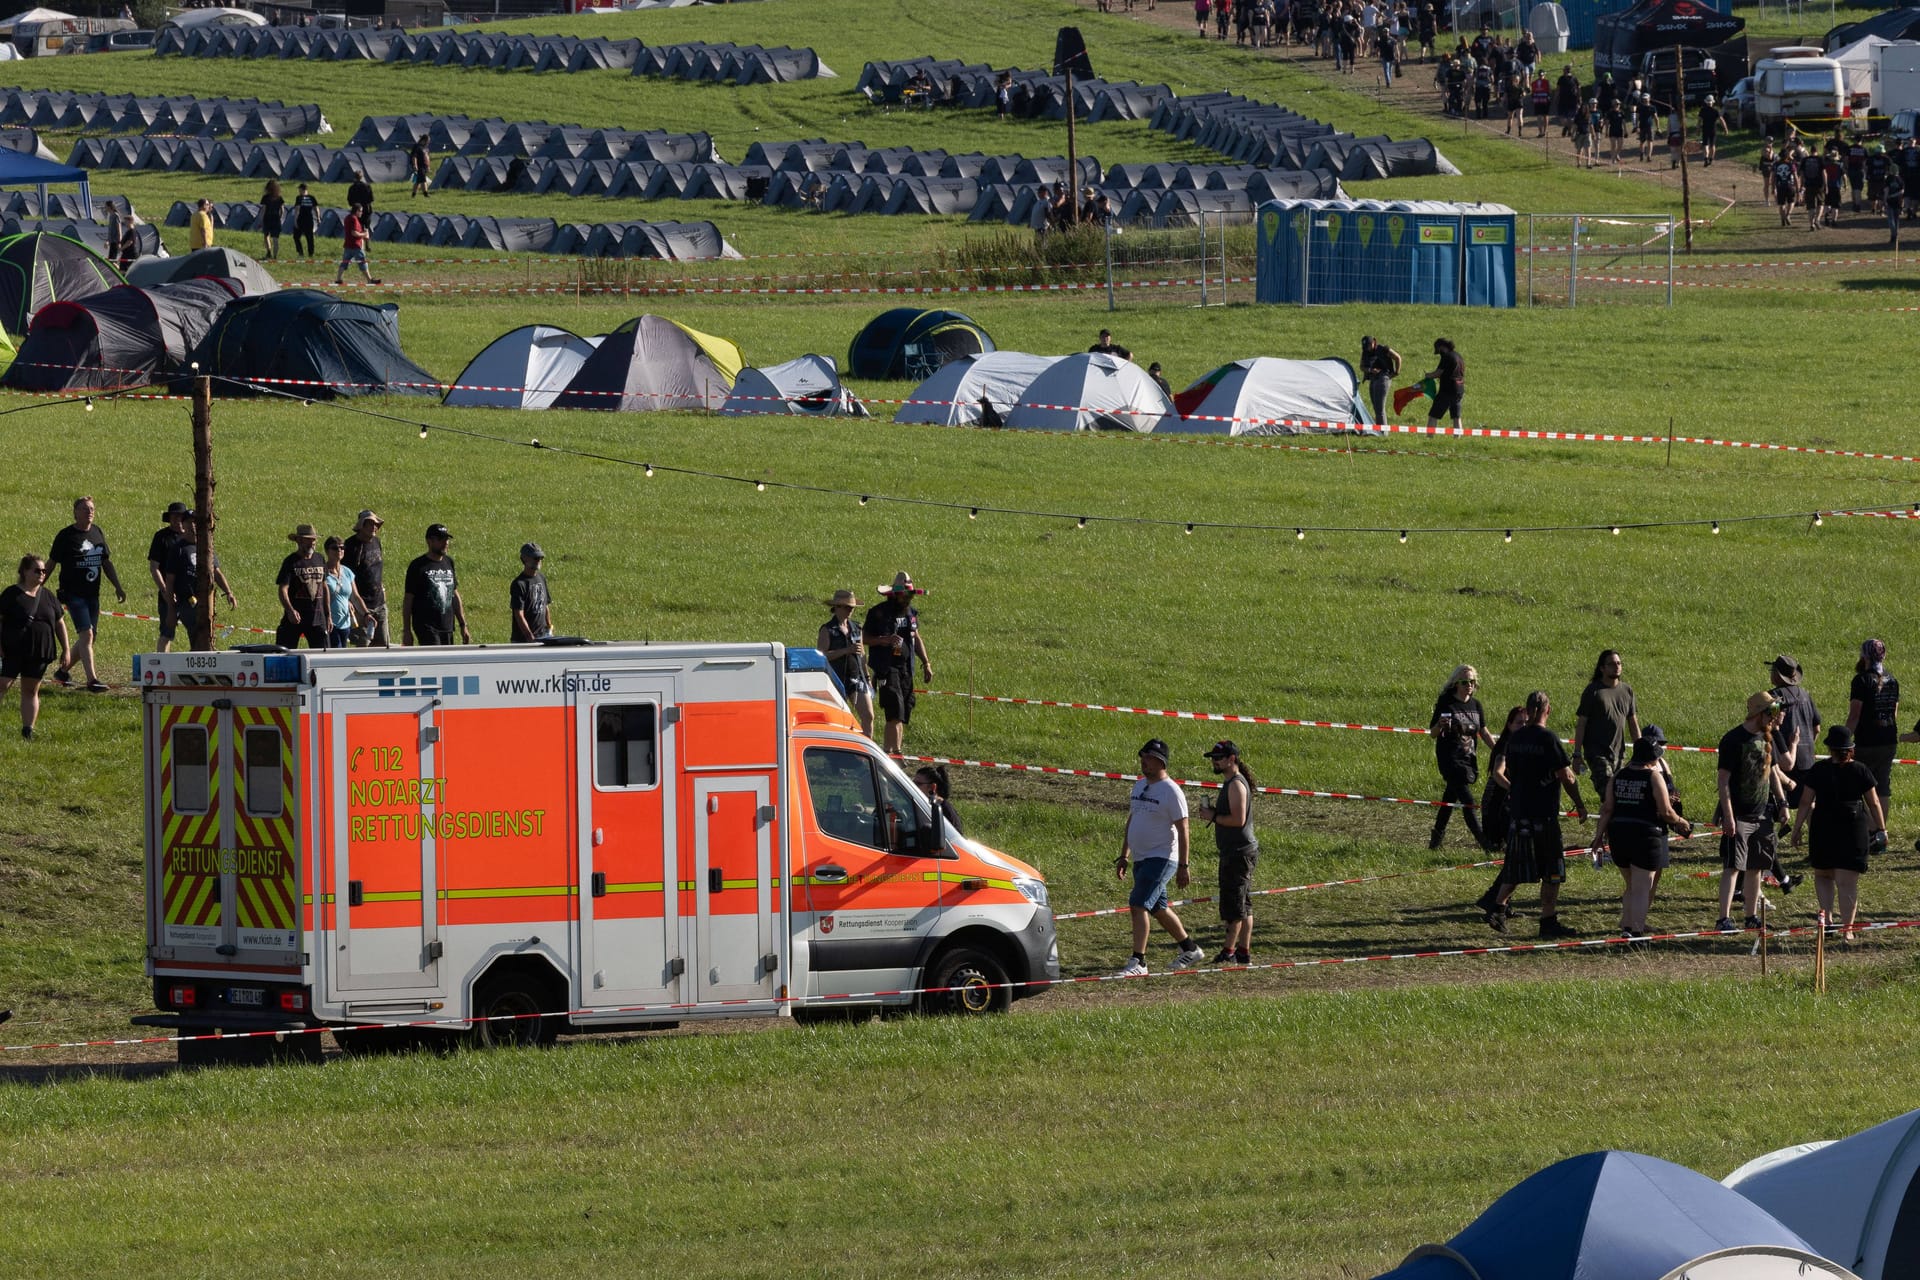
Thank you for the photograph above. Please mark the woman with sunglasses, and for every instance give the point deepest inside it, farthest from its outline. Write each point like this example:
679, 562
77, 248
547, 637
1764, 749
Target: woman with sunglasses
1459, 726
30, 621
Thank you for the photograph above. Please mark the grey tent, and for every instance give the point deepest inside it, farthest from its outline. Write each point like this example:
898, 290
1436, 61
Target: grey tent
651, 363
933, 195
807, 387
1415, 158
249, 277
125, 337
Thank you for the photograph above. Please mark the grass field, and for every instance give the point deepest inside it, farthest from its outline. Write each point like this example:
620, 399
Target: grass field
1304, 1122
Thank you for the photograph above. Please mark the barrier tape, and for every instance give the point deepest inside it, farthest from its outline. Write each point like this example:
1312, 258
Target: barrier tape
225, 628
1293, 888
1033, 984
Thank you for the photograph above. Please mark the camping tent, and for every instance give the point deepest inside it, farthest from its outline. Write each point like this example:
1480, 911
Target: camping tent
18, 169
1267, 396
38, 267
952, 396
1093, 392
1857, 61
1857, 1200
907, 342
1623, 1216
324, 346
652, 363
125, 337
249, 277
810, 386
527, 368
1620, 38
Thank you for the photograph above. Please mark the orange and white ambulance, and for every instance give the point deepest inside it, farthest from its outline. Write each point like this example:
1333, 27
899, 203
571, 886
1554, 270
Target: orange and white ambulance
605, 835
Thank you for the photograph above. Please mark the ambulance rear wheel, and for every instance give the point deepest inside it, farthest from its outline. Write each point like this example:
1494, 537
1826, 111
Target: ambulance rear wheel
511, 1000
974, 983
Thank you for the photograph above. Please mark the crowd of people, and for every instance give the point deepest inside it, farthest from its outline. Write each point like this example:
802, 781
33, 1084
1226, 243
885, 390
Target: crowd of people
1822, 178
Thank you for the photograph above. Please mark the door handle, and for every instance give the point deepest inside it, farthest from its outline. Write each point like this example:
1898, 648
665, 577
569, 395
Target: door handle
830, 873
599, 884
356, 891
716, 879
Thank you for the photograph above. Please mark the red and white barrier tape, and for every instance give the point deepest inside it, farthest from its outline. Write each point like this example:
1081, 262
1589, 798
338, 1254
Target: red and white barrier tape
1292, 888
225, 627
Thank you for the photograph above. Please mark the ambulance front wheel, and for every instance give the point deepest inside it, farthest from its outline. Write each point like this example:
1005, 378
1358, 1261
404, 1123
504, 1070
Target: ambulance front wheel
967, 981
511, 1004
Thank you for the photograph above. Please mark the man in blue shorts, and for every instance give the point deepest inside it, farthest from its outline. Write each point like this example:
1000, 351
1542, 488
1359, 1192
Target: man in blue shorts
1156, 843
80, 552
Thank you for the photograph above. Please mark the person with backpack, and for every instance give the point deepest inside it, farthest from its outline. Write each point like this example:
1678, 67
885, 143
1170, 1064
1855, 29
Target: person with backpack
1785, 178
306, 219
1813, 183
1379, 365
1873, 715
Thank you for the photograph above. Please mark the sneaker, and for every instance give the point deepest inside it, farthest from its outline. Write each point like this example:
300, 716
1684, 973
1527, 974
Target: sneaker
371, 280
1243, 957
1550, 927
1497, 921
1225, 957
1724, 925
63, 677
96, 686
1190, 956
1788, 883
1751, 922
1136, 968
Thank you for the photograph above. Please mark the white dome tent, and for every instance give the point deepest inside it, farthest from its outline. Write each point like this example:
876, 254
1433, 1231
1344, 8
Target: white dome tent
526, 368
1093, 392
1268, 396
1856, 1200
809, 386
952, 396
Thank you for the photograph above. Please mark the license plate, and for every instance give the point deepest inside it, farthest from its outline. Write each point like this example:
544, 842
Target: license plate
246, 996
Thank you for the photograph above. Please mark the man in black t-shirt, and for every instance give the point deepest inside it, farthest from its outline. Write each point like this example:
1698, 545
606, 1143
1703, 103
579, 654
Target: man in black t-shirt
159, 553
431, 605
304, 613
1537, 770
1749, 784
184, 583
892, 635
1108, 347
364, 556
527, 598
80, 553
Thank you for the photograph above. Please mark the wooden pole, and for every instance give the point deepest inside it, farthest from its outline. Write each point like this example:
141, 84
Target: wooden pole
1763, 931
203, 485
1073, 155
1680, 110
1820, 956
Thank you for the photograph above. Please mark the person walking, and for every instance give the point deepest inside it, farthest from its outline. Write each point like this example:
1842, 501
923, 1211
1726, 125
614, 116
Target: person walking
1793, 745
302, 583
273, 211
1239, 850
159, 552
1379, 365
1157, 845
345, 608
937, 787
1635, 816
306, 220
1711, 118
1749, 787
1537, 770
1449, 378
892, 637
1873, 716
364, 555
431, 605
360, 193
200, 226
31, 622
81, 555
420, 162
353, 245
528, 600
1458, 725
1842, 806
185, 582
1494, 808
1606, 720
121, 243
840, 641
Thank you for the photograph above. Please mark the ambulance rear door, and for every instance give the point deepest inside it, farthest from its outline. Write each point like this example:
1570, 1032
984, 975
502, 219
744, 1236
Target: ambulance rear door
224, 888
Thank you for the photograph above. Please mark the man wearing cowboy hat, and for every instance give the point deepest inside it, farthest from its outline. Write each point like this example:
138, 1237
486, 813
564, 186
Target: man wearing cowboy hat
892, 635
364, 555
840, 641
159, 553
304, 613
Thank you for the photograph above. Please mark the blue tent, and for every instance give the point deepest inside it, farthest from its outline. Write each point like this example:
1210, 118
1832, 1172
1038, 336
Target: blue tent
907, 342
1622, 1216
18, 169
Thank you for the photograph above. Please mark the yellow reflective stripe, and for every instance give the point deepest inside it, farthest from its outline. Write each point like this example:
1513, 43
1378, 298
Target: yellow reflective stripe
688, 886
306, 900
402, 896
954, 877
739, 884
639, 886
528, 891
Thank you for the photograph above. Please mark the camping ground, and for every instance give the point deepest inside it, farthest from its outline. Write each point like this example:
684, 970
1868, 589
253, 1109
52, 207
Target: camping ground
1306, 1122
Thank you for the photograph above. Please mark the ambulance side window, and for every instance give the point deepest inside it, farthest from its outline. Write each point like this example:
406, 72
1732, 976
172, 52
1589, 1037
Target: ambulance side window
902, 816
844, 801
264, 799
192, 783
624, 743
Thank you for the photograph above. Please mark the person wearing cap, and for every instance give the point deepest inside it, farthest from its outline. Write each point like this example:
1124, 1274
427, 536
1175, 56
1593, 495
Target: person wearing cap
344, 606
1536, 770
1635, 815
1605, 722
1379, 366
1458, 726
527, 597
891, 633
1873, 715
1106, 346
1793, 743
185, 582
364, 555
1842, 805
1233, 838
1160, 379
1751, 790
840, 641
304, 614
431, 605
159, 552
81, 554
1157, 846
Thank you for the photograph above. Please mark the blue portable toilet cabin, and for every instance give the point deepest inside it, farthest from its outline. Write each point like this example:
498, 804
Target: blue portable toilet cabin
1425, 251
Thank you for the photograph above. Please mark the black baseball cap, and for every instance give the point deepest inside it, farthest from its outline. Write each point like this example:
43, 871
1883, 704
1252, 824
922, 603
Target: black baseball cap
1222, 749
1155, 747
438, 531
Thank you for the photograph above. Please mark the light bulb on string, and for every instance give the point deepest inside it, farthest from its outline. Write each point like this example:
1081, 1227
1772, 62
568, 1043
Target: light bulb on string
1403, 537
1716, 526
1817, 520
1616, 530
1082, 523
863, 499
89, 404
1300, 535
1509, 537
649, 467
973, 513
759, 486
423, 431
535, 442
1189, 531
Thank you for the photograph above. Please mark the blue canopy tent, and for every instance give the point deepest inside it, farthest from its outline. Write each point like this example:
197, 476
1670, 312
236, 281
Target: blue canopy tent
18, 169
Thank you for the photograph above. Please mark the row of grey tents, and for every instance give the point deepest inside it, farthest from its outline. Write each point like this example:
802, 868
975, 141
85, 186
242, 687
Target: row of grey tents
500, 51
492, 136
312, 162
679, 241
1270, 136
1038, 95
126, 113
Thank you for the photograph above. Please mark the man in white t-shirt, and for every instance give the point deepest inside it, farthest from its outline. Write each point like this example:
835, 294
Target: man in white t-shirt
1156, 844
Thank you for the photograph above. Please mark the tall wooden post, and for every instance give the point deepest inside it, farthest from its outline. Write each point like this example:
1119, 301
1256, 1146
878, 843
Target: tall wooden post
1680, 109
203, 484
1073, 160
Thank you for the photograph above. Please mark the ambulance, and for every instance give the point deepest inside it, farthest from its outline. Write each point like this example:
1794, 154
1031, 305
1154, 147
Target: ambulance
518, 841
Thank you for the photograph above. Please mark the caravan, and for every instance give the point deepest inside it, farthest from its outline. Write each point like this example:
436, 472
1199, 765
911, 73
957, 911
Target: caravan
1798, 85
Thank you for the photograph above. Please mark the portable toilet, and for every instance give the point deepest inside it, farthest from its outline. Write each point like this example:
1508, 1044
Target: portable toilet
1548, 22
1487, 255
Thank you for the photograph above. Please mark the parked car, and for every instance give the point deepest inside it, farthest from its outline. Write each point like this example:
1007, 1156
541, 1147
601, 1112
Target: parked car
113, 42
1738, 105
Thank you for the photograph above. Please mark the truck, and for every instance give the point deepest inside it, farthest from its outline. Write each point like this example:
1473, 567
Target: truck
505, 843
